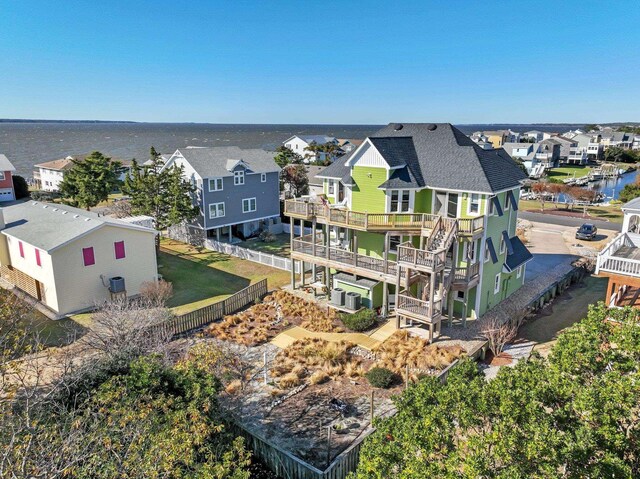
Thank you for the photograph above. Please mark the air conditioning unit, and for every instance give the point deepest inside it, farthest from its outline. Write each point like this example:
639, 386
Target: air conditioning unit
116, 284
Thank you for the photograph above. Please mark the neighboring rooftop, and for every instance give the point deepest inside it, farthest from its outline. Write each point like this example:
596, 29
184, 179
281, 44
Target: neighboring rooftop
215, 161
62, 164
5, 164
317, 139
312, 172
48, 226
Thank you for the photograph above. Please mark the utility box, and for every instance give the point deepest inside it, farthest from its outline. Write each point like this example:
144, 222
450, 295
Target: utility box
337, 296
116, 284
353, 301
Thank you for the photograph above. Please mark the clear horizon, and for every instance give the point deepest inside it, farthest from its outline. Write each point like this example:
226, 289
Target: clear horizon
314, 63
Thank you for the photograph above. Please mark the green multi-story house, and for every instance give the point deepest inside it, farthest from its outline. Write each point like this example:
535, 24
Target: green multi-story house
418, 218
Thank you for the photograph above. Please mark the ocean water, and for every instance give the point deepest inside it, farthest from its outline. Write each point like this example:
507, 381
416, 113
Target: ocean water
26, 144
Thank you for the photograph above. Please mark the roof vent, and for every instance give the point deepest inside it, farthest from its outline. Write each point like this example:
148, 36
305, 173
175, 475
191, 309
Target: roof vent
398, 126
64, 212
431, 126
76, 216
87, 219
45, 206
55, 209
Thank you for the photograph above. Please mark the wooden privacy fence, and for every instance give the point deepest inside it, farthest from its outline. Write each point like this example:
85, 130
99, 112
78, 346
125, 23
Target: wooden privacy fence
203, 316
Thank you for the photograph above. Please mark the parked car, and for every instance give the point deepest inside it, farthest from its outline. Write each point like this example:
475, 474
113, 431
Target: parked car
587, 232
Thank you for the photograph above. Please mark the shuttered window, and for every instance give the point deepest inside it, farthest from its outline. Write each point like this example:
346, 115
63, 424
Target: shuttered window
119, 249
38, 262
88, 256
21, 248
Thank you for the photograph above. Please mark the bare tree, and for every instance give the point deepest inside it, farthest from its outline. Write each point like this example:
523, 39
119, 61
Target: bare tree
499, 331
156, 293
120, 209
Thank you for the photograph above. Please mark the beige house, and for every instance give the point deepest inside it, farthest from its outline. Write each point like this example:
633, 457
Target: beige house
70, 259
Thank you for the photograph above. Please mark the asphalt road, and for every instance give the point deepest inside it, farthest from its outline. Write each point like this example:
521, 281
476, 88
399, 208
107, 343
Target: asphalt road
567, 220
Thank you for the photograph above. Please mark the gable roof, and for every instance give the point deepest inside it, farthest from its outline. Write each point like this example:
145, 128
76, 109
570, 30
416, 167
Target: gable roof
312, 173
49, 226
62, 164
317, 139
517, 255
446, 158
5, 164
215, 161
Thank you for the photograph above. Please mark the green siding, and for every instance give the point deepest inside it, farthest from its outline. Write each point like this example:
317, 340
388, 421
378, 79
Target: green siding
366, 195
370, 244
370, 298
465, 198
423, 201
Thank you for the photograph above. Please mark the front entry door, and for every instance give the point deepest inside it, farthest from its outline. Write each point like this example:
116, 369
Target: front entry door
452, 205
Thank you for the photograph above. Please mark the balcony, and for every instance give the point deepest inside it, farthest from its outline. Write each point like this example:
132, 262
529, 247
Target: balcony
470, 226
306, 249
465, 277
421, 260
621, 256
418, 309
358, 220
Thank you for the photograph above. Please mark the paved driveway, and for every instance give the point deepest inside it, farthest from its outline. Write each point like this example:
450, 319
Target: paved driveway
548, 248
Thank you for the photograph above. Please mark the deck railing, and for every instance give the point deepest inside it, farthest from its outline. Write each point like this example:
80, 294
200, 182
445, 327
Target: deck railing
420, 259
471, 225
305, 245
609, 261
418, 307
466, 273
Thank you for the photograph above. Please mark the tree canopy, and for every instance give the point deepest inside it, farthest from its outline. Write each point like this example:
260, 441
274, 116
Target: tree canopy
295, 180
286, 156
162, 193
575, 414
91, 180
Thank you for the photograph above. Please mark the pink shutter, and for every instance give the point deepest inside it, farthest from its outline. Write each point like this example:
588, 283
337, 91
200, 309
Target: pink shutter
21, 248
38, 257
87, 255
119, 247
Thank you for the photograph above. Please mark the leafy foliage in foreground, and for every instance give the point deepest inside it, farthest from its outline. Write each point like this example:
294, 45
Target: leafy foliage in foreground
147, 421
576, 414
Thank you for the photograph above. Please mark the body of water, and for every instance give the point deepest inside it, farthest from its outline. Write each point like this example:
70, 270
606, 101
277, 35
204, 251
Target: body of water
611, 187
26, 144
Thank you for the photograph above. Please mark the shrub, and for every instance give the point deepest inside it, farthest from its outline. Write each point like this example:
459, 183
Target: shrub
20, 187
360, 321
267, 237
44, 195
156, 293
380, 377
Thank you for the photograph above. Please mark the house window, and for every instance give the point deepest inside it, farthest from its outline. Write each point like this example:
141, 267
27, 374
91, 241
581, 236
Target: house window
216, 210
496, 284
215, 184
503, 245
487, 253
88, 256
394, 241
470, 252
118, 247
1, 175
507, 203
248, 205
399, 201
38, 262
331, 188
238, 177
492, 210
263, 177
519, 272
459, 296
474, 204
21, 248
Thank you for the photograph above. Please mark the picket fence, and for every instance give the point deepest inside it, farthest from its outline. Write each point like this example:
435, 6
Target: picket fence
268, 259
203, 316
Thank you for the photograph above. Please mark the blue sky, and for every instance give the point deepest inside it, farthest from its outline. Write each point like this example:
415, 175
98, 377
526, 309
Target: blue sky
321, 61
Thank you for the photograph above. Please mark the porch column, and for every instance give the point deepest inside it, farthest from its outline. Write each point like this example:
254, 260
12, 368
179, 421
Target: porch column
385, 299
217, 234
355, 248
464, 310
327, 240
229, 233
397, 293
385, 253
293, 262
313, 249
302, 274
450, 308
432, 287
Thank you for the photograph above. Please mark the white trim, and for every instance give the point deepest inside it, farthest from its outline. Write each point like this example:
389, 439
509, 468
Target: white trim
248, 200
215, 186
469, 201
237, 176
498, 280
224, 210
519, 271
263, 177
389, 194
240, 222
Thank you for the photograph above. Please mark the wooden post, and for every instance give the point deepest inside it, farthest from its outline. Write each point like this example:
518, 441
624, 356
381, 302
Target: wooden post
371, 407
355, 248
328, 445
293, 263
432, 286
385, 253
397, 293
385, 299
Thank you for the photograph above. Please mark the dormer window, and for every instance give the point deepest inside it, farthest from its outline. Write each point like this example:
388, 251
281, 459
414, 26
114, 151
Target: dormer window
238, 177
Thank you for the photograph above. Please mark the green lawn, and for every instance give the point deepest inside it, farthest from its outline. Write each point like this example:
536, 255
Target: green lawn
611, 213
278, 247
203, 277
568, 172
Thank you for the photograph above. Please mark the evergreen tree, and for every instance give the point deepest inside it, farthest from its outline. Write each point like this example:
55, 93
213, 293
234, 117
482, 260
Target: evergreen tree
162, 193
90, 181
286, 156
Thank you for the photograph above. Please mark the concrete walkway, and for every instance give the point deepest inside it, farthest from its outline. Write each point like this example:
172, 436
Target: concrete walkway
367, 341
549, 249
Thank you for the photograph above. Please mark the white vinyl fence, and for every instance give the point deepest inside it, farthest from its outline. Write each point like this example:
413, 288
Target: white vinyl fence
252, 255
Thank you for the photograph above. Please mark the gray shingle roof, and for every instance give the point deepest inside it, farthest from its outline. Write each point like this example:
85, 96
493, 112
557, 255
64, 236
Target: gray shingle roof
448, 159
213, 162
5, 164
520, 255
632, 205
48, 226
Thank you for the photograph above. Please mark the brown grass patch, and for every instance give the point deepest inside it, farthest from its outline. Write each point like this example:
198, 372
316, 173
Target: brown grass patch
265, 320
402, 349
315, 360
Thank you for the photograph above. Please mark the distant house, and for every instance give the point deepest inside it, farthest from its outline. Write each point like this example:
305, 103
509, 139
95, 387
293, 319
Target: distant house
349, 144
497, 138
50, 174
238, 191
570, 151
546, 153
315, 183
7, 192
592, 144
534, 135
300, 143
70, 259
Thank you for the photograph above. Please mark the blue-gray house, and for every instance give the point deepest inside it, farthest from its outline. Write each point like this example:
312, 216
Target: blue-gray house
238, 189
